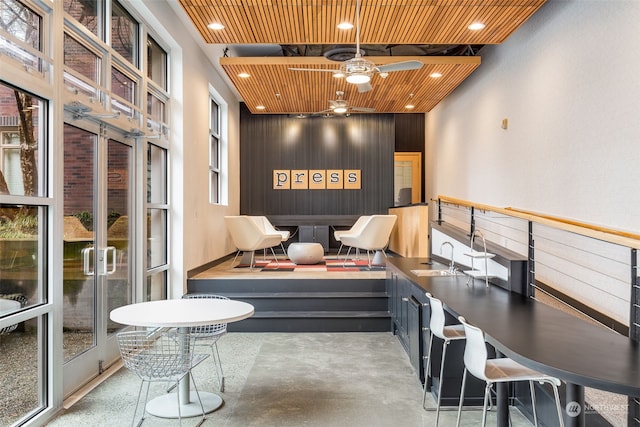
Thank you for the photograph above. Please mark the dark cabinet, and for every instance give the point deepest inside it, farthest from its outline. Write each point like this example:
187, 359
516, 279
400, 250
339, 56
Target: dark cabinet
314, 234
405, 305
410, 314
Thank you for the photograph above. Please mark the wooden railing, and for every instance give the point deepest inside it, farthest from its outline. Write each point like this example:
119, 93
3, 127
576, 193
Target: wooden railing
611, 235
599, 268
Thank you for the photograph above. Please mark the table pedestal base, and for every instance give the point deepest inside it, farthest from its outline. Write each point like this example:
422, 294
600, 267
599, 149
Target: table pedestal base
378, 258
166, 406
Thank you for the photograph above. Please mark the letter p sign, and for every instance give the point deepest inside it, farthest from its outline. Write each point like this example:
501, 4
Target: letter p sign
281, 179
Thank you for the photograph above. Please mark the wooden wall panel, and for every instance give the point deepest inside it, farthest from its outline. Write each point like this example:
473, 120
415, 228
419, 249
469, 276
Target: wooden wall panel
279, 142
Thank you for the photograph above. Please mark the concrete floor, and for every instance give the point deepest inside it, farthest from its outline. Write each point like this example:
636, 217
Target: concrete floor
287, 379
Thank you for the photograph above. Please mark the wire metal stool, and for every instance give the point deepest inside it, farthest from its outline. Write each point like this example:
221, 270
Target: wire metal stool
156, 357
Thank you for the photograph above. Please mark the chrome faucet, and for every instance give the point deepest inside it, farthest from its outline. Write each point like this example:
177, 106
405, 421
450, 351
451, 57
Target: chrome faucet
486, 258
452, 268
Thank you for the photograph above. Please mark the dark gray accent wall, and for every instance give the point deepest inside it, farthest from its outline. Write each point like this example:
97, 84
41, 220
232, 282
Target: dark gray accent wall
279, 142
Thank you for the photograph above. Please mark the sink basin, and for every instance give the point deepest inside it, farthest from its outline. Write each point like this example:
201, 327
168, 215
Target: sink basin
433, 273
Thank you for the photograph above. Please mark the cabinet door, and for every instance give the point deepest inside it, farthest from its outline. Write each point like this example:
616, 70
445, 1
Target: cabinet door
392, 293
404, 290
413, 333
321, 235
424, 322
305, 233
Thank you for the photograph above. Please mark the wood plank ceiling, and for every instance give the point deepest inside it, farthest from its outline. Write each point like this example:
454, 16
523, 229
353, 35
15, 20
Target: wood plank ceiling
382, 22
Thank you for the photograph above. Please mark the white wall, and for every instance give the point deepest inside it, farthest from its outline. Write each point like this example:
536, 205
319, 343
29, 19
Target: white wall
198, 234
569, 83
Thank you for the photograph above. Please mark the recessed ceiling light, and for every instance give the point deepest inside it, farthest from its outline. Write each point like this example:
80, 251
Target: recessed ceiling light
435, 75
345, 25
476, 26
409, 106
338, 74
244, 75
216, 26
260, 107
383, 75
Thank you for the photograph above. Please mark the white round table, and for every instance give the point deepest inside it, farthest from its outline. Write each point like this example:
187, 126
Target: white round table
182, 313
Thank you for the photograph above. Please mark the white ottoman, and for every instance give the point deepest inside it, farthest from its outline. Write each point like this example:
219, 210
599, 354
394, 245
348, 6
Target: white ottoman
305, 253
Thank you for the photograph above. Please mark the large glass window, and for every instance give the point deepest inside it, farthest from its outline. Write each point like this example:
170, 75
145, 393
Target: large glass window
156, 175
156, 63
23, 25
124, 34
22, 370
215, 152
21, 130
23, 260
87, 13
156, 113
101, 69
83, 67
124, 89
157, 222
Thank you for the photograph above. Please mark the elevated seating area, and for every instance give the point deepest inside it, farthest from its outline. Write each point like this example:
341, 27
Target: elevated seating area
314, 304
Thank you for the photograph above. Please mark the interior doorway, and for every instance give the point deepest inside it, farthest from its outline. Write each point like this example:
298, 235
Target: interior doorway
407, 182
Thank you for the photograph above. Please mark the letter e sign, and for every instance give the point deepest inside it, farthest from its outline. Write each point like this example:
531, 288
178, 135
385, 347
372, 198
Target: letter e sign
317, 179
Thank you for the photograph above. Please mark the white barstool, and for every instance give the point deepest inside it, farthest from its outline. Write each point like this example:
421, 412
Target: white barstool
450, 333
498, 370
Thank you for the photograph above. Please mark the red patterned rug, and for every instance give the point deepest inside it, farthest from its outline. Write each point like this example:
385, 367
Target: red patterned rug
326, 265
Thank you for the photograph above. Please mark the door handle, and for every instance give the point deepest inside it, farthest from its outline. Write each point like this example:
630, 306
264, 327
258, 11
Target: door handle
86, 261
105, 259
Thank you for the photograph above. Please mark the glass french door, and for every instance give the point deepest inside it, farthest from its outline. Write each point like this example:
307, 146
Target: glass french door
98, 200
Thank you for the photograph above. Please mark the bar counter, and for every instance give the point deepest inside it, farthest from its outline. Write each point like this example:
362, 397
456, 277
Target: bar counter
580, 353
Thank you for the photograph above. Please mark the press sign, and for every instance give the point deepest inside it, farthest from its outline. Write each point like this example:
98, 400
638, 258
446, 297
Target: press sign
329, 179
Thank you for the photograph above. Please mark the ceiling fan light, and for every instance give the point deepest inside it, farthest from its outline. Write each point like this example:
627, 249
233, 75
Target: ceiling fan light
476, 26
340, 110
358, 78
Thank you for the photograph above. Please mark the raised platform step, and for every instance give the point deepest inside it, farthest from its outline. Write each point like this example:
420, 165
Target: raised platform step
271, 285
320, 314
312, 301
314, 321
304, 305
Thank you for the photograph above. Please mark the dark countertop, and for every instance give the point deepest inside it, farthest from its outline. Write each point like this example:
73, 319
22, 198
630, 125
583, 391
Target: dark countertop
534, 334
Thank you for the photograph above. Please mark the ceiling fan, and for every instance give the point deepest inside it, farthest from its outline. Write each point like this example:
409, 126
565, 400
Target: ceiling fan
341, 106
359, 70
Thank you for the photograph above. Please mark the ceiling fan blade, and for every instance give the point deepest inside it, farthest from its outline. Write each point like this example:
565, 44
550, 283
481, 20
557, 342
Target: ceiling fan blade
400, 66
364, 87
314, 69
364, 109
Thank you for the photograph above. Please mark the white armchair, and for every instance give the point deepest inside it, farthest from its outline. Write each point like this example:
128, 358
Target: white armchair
249, 237
355, 229
373, 236
267, 227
